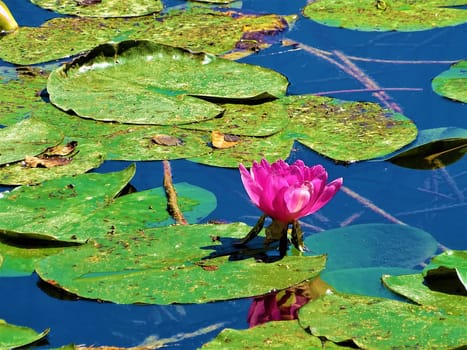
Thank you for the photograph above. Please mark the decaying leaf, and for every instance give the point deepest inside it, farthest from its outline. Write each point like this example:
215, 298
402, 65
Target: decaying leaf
45, 161
166, 140
61, 150
221, 140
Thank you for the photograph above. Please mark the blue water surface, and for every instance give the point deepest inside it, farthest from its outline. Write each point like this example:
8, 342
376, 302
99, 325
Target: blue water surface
431, 200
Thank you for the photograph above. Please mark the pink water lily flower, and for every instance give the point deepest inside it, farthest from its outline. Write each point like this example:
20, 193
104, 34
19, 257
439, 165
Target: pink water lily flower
288, 192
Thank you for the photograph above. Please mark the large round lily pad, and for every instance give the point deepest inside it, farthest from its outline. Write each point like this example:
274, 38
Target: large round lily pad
373, 245
143, 82
452, 83
377, 323
384, 15
28, 137
175, 264
344, 130
103, 8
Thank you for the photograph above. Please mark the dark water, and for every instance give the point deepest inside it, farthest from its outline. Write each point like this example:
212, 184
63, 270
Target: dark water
405, 193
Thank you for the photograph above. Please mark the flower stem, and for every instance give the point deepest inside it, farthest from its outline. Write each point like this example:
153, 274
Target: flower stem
253, 232
297, 236
172, 204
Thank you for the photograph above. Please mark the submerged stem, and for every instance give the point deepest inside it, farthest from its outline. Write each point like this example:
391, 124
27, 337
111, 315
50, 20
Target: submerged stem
172, 204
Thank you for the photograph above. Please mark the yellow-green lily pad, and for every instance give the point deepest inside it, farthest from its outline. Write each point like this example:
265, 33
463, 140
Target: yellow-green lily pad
452, 83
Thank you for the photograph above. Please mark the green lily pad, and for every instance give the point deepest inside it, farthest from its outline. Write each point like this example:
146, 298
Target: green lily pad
143, 82
74, 209
373, 245
363, 281
344, 130
104, 8
28, 137
385, 15
273, 335
20, 259
433, 148
43, 211
443, 266
247, 150
413, 287
453, 82
12, 336
195, 29
377, 323
262, 119
87, 156
174, 264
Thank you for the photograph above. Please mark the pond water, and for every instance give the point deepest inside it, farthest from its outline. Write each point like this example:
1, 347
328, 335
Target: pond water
431, 200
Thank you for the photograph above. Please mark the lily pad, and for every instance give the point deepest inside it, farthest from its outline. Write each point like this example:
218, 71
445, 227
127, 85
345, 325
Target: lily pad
101, 8
247, 150
28, 137
413, 287
373, 245
262, 119
377, 323
273, 335
453, 82
143, 82
74, 209
454, 261
174, 264
12, 336
194, 29
433, 148
87, 156
363, 281
20, 259
43, 211
344, 130
385, 15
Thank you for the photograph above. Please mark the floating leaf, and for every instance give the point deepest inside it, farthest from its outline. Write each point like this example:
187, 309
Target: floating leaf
195, 29
12, 336
373, 245
102, 8
273, 335
142, 82
377, 323
363, 281
174, 264
220, 140
27, 137
385, 15
433, 148
263, 119
249, 149
344, 130
449, 261
453, 82
20, 259
413, 287
45, 210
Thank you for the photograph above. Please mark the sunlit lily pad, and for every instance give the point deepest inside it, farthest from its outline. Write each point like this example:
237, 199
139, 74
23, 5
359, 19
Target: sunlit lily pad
142, 82
453, 82
102, 8
12, 336
344, 130
384, 15
373, 245
74, 209
87, 156
263, 119
273, 335
196, 29
28, 137
247, 150
174, 264
377, 323
433, 148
